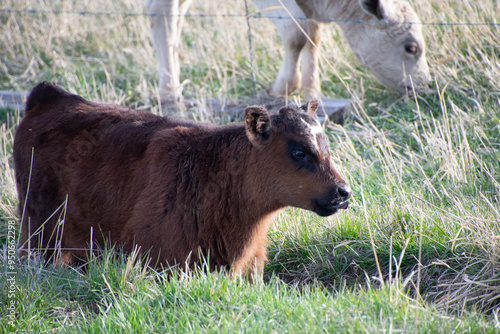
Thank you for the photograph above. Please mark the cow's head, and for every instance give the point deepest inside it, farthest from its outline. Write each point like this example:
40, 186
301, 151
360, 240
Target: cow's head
390, 44
293, 159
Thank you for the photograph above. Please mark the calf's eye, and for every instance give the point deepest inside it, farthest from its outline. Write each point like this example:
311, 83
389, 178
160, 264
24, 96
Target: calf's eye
298, 155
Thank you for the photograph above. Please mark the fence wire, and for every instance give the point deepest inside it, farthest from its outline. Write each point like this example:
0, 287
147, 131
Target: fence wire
230, 15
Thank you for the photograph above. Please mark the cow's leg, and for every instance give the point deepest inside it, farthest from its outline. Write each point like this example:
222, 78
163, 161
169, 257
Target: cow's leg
293, 40
166, 31
310, 63
183, 8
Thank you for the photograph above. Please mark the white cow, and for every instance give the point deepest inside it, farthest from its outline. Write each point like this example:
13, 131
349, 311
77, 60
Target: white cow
384, 34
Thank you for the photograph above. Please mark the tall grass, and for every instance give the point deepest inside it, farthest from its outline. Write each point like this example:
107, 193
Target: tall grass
419, 247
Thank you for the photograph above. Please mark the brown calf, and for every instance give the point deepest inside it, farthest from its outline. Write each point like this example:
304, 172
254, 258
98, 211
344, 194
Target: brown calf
89, 173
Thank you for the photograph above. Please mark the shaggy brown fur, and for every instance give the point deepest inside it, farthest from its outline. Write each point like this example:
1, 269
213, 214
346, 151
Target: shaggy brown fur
90, 172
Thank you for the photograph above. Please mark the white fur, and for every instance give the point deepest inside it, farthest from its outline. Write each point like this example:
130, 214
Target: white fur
315, 130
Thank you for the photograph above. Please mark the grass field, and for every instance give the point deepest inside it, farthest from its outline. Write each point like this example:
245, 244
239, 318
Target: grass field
417, 251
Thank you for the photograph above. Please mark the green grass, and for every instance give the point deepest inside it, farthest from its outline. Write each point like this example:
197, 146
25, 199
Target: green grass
417, 251
117, 295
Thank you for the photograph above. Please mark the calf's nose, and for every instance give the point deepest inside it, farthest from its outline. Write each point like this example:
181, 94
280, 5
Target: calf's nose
344, 192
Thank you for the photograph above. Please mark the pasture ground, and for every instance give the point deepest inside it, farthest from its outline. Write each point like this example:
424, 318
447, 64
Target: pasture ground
417, 251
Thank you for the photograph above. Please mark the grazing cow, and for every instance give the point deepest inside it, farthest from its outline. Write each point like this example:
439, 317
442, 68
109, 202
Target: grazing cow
89, 173
384, 34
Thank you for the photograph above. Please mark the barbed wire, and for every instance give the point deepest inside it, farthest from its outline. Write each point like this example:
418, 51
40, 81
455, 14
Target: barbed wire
230, 15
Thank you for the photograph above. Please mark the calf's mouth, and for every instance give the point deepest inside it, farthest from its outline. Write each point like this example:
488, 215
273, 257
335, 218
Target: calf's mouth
324, 208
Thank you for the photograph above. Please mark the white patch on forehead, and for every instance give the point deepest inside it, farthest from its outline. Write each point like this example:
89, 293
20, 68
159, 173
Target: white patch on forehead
315, 130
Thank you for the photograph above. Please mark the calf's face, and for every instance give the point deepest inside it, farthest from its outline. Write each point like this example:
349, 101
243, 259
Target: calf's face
295, 156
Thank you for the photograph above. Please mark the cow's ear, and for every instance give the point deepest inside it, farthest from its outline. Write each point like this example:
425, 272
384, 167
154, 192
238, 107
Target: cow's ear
310, 107
377, 8
257, 125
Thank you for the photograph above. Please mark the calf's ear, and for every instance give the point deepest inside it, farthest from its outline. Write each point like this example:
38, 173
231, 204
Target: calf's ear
257, 125
310, 107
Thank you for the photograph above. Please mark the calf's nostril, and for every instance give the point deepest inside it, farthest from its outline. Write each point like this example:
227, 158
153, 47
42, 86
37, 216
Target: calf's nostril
345, 192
